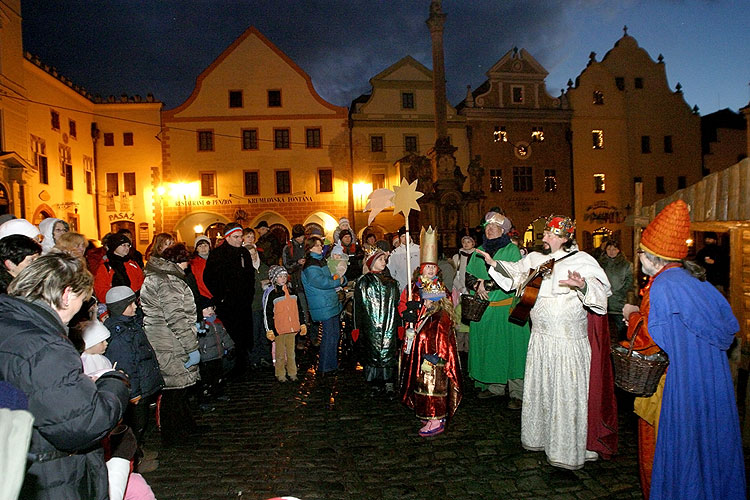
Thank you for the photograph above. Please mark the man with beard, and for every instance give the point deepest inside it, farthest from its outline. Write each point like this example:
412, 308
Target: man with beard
554, 417
497, 348
698, 452
230, 277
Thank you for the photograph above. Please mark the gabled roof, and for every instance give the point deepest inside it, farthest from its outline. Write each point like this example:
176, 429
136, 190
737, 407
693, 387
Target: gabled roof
515, 63
252, 31
394, 68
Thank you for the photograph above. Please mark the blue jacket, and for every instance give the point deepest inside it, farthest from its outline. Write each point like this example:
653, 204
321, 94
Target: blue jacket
130, 348
320, 289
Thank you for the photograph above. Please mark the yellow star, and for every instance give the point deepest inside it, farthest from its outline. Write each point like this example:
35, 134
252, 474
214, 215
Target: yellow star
406, 197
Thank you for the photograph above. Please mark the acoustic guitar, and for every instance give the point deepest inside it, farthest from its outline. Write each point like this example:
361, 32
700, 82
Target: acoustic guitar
526, 294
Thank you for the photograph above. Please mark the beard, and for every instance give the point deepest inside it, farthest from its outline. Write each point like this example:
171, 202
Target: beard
546, 249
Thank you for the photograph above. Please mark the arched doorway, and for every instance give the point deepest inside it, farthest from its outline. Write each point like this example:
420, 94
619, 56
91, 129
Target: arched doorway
532, 237
280, 232
196, 223
42, 212
123, 224
324, 221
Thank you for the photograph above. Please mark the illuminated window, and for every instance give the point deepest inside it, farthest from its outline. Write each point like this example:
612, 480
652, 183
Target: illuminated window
312, 137
325, 180
516, 92
205, 140
537, 134
598, 97
496, 180
550, 180
500, 134
410, 143
522, 179
376, 144
283, 182
599, 184
249, 139
281, 138
645, 144
127, 138
251, 183
597, 137
407, 100
274, 98
208, 183
235, 98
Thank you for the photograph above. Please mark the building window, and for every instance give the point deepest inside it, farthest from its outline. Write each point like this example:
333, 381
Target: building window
516, 92
376, 144
496, 180
235, 98
281, 138
620, 82
597, 137
681, 182
378, 181
660, 189
325, 180
598, 97
500, 134
252, 186
407, 100
249, 139
72, 132
522, 179
39, 158
43, 170
550, 180
312, 137
274, 98
599, 183
68, 176
113, 186
66, 157
537, 134
128, 183
645, 144
127, 138
283, 182
88, 169
638, 83
55, 120
208, 183
109, 139
410, 143
668, 144
205, 140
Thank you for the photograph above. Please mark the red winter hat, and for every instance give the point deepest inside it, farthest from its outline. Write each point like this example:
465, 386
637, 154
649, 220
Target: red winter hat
666, 236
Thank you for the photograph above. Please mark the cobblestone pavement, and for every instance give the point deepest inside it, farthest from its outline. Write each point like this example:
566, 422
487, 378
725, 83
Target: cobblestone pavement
327, 438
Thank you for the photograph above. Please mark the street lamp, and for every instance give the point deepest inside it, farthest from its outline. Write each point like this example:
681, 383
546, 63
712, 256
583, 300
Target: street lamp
361, 191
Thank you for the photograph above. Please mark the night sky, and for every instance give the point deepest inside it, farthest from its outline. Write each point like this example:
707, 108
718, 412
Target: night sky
160, 46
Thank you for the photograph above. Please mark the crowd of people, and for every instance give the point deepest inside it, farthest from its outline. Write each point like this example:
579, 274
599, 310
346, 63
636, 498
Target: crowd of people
93, 337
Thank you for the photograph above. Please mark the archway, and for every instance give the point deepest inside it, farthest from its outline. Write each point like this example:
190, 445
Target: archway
43, 211
325, 221
187, 228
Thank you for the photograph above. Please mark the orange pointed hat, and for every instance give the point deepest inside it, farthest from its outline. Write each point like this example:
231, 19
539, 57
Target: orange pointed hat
666, 236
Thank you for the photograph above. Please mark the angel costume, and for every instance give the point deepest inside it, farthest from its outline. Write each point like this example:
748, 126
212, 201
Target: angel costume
558, 363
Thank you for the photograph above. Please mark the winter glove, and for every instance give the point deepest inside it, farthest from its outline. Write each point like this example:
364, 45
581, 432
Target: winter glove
270, 335
194, 358
410, 315
303, 330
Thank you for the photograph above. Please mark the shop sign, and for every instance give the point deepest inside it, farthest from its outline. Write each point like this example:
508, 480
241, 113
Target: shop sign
122, 216
602, 213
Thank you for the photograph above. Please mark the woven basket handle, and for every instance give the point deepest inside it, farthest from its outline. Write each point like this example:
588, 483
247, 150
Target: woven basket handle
636, 329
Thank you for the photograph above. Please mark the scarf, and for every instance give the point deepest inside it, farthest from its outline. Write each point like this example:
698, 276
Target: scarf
117, 264
493, 245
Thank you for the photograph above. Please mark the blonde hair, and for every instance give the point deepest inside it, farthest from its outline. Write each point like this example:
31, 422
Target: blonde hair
66, 242
48, 276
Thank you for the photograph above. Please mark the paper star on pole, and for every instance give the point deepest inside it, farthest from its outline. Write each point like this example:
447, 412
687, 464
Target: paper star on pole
377, 201
406, 197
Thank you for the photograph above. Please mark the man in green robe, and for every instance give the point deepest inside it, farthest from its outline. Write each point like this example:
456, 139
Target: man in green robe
497, 348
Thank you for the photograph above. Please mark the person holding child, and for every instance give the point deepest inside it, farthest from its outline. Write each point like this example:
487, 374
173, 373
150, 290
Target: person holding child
283, 319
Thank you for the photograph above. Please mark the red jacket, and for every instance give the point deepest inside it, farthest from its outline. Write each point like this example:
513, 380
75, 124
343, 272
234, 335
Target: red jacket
103, 278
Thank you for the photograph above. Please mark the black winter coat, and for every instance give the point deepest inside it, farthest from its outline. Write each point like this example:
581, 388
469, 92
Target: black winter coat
230, 276
71, 413
130, 349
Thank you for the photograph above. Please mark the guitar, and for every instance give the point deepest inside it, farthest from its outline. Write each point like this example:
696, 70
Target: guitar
526, 294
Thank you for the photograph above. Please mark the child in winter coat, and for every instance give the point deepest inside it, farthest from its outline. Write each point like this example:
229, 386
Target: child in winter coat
283, 320
95, 337
217, 352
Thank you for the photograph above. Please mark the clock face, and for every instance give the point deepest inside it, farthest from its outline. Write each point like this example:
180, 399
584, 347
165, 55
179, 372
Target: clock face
522, 150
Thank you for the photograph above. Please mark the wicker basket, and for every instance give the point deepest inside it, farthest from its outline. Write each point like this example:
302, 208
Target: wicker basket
472, 308
636, 374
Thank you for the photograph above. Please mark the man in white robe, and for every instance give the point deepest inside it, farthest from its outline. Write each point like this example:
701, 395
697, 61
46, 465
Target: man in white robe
397, 261
556, 388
